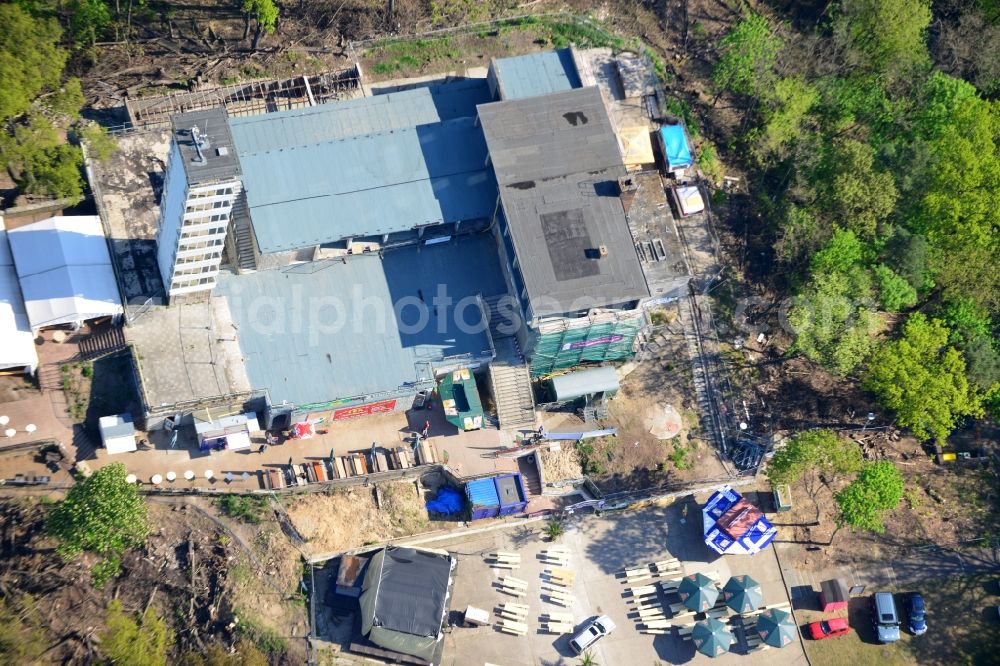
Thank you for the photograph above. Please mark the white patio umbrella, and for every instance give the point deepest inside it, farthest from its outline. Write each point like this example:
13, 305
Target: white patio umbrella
30, 428
10, 432
189, 475
131, 478
157, 479
208, 474
171, 476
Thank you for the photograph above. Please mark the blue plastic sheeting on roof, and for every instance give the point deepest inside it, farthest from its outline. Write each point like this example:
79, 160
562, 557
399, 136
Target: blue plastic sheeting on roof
329, 330
368, 185
675, 146
448, 501
537, 74
357, 117
482, 493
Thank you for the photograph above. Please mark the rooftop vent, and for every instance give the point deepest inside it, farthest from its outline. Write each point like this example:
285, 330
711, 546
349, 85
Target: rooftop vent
222, 151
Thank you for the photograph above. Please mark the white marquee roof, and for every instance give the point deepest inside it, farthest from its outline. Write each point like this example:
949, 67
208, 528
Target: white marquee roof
17, 344
65, 270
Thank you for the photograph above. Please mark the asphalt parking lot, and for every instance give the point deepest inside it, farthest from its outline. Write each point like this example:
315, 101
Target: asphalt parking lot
600, 549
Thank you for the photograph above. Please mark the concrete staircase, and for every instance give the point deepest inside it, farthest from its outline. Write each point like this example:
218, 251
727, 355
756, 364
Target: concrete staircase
528, 468
509, 376
103, 342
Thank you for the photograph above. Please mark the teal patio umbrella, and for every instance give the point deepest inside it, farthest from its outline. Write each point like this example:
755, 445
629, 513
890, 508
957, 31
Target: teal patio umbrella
776, 627
698, 592
712, 637
743, 594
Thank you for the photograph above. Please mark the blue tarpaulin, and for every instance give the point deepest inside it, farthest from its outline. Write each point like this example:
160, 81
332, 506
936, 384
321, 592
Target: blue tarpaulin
675, 146
448, 501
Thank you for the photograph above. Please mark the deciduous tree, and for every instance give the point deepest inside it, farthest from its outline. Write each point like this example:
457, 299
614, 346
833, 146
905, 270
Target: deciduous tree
749, 52
103, 514
886, 35
31, 61
137, 640
265, 16
922, 378
863, 503
820, 450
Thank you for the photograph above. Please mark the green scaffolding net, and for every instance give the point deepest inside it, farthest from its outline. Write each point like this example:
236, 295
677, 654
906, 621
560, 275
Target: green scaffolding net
606, 341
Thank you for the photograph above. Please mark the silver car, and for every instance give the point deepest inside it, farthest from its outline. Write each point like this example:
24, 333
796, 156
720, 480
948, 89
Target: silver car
591, 633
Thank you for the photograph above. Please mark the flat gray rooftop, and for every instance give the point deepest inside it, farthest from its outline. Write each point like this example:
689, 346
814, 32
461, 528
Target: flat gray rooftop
188, 352
329, 330
661, 252
557, 163
217, 159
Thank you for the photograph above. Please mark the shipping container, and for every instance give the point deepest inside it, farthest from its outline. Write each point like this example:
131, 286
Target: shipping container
482, 495
510, 491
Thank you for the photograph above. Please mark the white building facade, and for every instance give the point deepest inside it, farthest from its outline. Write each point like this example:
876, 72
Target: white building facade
201, 187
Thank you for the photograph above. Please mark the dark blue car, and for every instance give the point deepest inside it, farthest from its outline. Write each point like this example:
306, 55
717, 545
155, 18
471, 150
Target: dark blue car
915, 606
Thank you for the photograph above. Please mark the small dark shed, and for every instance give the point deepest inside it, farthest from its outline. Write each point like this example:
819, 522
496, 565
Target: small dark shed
833, 595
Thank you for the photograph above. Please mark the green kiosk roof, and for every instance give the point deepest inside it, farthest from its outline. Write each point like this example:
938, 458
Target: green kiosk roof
460, 399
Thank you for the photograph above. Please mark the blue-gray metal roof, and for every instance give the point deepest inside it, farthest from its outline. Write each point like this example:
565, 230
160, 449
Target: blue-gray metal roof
357, 117
536, 74
482, 493
328, 330
367, 186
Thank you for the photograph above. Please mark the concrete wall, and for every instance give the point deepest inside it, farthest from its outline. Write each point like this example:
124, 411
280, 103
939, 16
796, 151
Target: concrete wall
171, 212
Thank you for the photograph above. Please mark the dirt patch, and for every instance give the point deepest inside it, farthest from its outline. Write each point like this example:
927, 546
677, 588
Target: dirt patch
182, 573
16, 387
941, 504
352, 518
561, 465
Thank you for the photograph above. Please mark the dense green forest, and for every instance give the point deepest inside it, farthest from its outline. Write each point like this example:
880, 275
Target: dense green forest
879, 176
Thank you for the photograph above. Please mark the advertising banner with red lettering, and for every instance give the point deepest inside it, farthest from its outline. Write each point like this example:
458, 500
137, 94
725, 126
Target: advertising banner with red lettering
380, 407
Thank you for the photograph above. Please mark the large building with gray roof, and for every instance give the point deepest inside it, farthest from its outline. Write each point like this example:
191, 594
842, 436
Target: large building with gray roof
369, 245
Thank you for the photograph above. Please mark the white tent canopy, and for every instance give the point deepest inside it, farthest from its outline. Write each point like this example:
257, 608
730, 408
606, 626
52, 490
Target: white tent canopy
17, 344
65, 271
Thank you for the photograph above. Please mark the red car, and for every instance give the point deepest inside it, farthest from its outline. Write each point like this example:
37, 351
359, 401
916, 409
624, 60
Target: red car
835, 626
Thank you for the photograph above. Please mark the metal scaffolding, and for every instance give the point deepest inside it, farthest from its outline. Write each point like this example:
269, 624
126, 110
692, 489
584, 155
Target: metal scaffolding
247, 99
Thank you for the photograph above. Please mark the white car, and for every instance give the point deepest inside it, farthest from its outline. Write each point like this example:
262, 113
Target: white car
590, 634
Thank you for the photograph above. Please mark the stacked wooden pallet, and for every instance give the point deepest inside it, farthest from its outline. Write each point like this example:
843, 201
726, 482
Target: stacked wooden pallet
513, 586
557, 623
557, 555
504, 560
513, 619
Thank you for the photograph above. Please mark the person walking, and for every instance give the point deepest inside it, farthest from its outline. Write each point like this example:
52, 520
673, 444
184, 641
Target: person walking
426, 430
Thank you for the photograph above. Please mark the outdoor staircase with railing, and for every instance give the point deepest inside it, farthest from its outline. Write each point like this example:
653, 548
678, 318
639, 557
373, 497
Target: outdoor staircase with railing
509, 376
246, 258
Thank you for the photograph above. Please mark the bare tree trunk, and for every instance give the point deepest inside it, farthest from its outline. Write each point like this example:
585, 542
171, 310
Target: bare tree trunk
246, 25
389, 11
258, 31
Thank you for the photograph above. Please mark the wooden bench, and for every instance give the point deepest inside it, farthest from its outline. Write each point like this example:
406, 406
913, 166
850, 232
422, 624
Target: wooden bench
510, 581
659, 632
555, 616
657, 624
718, 613
553, 598
678, 608
558, 627
642, 590
513, 627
